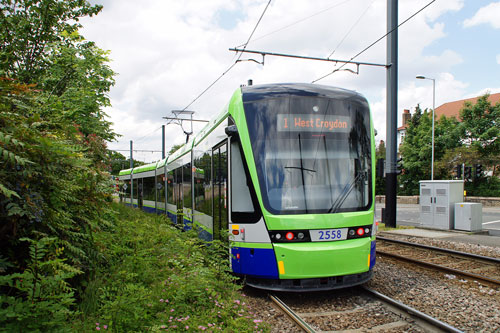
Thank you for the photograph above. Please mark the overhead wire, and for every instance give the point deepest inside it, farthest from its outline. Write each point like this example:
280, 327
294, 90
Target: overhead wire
232, 65
225, 72
375, 42
351, 29
149, 134
296, 22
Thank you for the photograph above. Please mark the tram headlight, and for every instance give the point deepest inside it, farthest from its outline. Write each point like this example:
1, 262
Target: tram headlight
352, 232
290, 236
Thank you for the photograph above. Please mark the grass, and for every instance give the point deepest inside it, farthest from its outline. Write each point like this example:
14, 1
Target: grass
154, 277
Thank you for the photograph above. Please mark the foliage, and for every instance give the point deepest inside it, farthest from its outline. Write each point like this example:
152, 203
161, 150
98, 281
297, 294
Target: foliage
416, 152
157, 277
41, 298
380, 181
416, 149
50, 184
483, 187
53, 158
29, 27
120, 162
481, 123
175, 148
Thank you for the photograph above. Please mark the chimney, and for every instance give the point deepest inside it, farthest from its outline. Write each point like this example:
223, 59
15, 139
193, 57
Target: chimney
406, 117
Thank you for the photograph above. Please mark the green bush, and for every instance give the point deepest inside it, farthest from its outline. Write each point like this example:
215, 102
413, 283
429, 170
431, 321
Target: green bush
156, 277
483, 187
40, 298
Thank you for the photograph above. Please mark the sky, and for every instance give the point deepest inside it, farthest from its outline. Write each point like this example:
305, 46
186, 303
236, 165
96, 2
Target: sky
167, 52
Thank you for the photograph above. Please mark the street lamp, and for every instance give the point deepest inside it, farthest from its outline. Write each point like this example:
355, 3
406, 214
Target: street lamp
433, 108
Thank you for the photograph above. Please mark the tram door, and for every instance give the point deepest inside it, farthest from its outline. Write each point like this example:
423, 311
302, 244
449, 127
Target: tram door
220, 187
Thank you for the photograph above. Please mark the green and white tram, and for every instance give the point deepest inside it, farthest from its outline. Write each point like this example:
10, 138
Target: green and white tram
287, 169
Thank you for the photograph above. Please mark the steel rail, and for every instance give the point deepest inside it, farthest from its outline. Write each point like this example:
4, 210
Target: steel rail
413, 312
465, 254
299, 321
441, 268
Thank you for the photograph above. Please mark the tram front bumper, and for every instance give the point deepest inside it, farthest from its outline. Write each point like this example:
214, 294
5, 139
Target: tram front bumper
323, 259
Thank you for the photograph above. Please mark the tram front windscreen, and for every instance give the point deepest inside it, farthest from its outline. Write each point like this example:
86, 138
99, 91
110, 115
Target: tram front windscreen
312, 154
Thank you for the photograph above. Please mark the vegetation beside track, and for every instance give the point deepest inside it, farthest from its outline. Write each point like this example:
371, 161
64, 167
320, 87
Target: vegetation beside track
152, 277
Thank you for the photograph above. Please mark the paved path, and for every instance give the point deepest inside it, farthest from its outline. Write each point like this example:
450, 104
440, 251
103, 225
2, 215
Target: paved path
409, 214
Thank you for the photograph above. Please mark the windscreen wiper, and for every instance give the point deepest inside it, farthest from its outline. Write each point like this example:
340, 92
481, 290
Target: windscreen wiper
360, 176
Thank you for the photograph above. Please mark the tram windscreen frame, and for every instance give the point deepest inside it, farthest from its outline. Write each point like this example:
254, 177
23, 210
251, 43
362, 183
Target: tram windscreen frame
312, 154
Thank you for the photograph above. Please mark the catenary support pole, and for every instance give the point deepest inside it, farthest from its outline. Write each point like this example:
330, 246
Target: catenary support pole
162, 142
392, 113
131, 179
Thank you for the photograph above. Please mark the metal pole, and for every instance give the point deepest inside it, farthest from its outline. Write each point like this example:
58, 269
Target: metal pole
392, 113
162, 141
131, 179
433, 108
421, 77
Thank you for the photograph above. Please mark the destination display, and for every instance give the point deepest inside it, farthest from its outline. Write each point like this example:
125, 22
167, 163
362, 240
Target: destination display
313, 123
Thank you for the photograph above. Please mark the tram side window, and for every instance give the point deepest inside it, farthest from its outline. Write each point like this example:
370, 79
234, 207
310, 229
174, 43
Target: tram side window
160, 187
178, 187
203, 183
149, 188
243, 203
136, 188
126, 187
170, 187
186, 185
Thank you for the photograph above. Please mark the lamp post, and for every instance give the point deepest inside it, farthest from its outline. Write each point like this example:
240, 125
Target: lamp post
433, 108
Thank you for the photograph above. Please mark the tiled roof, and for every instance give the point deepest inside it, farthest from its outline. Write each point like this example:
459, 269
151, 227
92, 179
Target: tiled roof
452, 109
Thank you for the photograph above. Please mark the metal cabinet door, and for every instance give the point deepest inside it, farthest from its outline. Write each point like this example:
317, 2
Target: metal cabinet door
426, 205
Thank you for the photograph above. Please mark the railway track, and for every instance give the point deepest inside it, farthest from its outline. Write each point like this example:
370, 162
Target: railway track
364, 310
484, 269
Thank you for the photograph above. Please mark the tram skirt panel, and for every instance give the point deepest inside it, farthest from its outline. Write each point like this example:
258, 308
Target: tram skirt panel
255, 262
323, 259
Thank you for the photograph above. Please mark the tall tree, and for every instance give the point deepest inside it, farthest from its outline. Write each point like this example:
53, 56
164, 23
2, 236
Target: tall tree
416, 149
53, 157
29, 27
416, 152
481, 124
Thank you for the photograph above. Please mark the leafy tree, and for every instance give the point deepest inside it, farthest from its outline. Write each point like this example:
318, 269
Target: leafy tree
29, 27
416, 149
53, 156
481, 124
416, 152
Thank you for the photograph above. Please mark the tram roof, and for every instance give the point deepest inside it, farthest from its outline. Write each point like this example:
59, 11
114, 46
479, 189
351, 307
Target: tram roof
145, 168
265, 91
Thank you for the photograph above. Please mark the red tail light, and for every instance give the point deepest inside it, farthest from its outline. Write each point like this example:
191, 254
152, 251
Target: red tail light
360, 231
289, 235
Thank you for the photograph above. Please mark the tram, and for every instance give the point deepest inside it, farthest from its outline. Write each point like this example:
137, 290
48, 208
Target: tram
285, 173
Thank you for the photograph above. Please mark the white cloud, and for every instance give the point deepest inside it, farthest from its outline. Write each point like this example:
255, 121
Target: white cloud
167, 52
486, 15
498, 59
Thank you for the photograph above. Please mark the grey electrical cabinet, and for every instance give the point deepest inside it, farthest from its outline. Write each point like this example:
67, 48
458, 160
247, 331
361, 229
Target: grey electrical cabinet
469, 216
437, 202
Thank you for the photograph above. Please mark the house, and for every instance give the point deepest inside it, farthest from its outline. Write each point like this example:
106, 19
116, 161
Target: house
450, 109
402, 130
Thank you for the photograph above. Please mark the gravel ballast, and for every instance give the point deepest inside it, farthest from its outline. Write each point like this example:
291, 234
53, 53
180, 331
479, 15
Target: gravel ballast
463, 303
